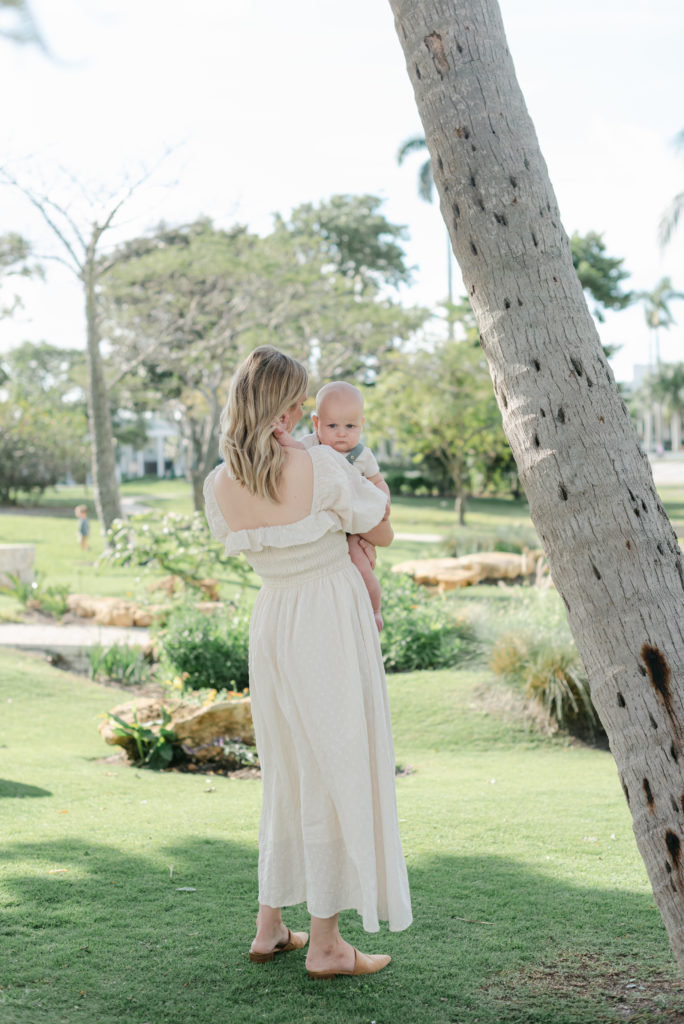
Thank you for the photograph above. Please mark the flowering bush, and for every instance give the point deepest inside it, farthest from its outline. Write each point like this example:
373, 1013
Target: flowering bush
174, 543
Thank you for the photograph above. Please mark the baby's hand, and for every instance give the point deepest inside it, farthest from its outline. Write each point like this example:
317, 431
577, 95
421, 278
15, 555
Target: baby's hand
369, 551
285, 439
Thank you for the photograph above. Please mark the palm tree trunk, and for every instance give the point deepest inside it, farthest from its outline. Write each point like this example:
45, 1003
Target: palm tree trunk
612, 551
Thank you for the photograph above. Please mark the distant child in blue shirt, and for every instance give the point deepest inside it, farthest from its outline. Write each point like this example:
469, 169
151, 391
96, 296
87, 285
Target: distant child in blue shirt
81, 513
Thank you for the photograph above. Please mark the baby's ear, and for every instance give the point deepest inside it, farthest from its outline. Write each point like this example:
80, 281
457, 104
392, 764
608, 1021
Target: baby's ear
314, 417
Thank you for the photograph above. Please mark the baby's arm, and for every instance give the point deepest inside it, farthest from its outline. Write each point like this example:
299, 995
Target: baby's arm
284, 439
379, 481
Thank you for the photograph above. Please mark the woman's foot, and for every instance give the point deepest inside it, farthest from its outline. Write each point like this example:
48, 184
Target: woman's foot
292, 941
359, 963
269, 937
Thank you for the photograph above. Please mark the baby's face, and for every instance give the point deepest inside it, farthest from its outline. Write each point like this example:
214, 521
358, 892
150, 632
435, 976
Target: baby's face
339, 422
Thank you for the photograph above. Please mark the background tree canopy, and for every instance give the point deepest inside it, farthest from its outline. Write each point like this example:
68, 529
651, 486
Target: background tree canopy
183, 305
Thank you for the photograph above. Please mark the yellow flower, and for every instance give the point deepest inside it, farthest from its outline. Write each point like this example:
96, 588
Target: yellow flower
210, 698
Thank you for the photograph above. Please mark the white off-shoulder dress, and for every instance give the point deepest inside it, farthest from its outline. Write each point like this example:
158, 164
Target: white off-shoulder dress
329, 834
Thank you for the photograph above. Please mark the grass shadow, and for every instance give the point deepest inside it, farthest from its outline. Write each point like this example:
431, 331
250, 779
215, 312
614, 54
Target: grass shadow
8, 788
112, 933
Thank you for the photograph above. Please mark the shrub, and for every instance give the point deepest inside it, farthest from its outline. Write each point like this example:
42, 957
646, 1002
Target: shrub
409, 482
549, 671
155, 747
421, 630
39, 596
174, 543
206, 651
120, 663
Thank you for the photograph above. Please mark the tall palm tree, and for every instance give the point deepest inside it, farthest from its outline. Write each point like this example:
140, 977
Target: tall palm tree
609, 543
670, 218
665, 389
426, 191
657, 309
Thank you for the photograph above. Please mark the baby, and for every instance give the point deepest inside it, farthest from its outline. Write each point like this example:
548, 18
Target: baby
338, 422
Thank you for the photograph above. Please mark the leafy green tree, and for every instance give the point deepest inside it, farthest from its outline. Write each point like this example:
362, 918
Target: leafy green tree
184, 305
80, 247
439, 407
350, 235
44, 416
44, 373
15, 261
37, 449
600, 275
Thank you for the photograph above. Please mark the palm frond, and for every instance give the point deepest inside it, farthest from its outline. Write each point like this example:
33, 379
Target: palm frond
412, 145
17, 23
426, 183
670, 219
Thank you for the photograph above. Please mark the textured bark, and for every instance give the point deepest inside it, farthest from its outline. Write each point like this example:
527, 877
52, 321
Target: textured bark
612, 552
106, 489
201, 451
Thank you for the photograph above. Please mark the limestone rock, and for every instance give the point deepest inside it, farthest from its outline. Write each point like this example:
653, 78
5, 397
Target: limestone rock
485, 566
171, 585
112, 611
16, 560
197, 727
199, 730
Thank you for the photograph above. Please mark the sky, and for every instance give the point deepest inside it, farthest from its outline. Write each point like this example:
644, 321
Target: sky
243, 108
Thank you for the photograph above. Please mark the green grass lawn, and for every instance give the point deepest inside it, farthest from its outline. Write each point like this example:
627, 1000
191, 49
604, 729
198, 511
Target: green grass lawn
531, 903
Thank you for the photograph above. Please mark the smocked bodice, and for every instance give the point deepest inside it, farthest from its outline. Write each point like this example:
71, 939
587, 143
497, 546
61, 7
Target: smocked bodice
343, 502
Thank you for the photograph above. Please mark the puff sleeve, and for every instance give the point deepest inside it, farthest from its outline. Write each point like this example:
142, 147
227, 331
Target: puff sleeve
217, 525
357, 504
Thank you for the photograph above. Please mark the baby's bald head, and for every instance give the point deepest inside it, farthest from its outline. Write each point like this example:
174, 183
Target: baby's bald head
338, 419
339, 390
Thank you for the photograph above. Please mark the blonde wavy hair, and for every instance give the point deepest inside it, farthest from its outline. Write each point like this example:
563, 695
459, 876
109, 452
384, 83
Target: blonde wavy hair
266, 385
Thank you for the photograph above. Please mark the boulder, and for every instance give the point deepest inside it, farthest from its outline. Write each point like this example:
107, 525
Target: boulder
200, 730
202, 726
483, 567
171, 585
16, 560
112, 611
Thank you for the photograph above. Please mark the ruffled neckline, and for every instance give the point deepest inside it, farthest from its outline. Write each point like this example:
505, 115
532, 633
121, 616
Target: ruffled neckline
310, 527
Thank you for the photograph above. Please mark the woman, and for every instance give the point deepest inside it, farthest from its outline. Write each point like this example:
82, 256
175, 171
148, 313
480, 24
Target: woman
328, 833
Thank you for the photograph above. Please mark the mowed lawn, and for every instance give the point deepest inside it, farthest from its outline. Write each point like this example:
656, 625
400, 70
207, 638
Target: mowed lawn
129, 896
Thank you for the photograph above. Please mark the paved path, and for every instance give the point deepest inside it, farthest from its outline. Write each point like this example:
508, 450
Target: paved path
32, 634
427, 538
67, 645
